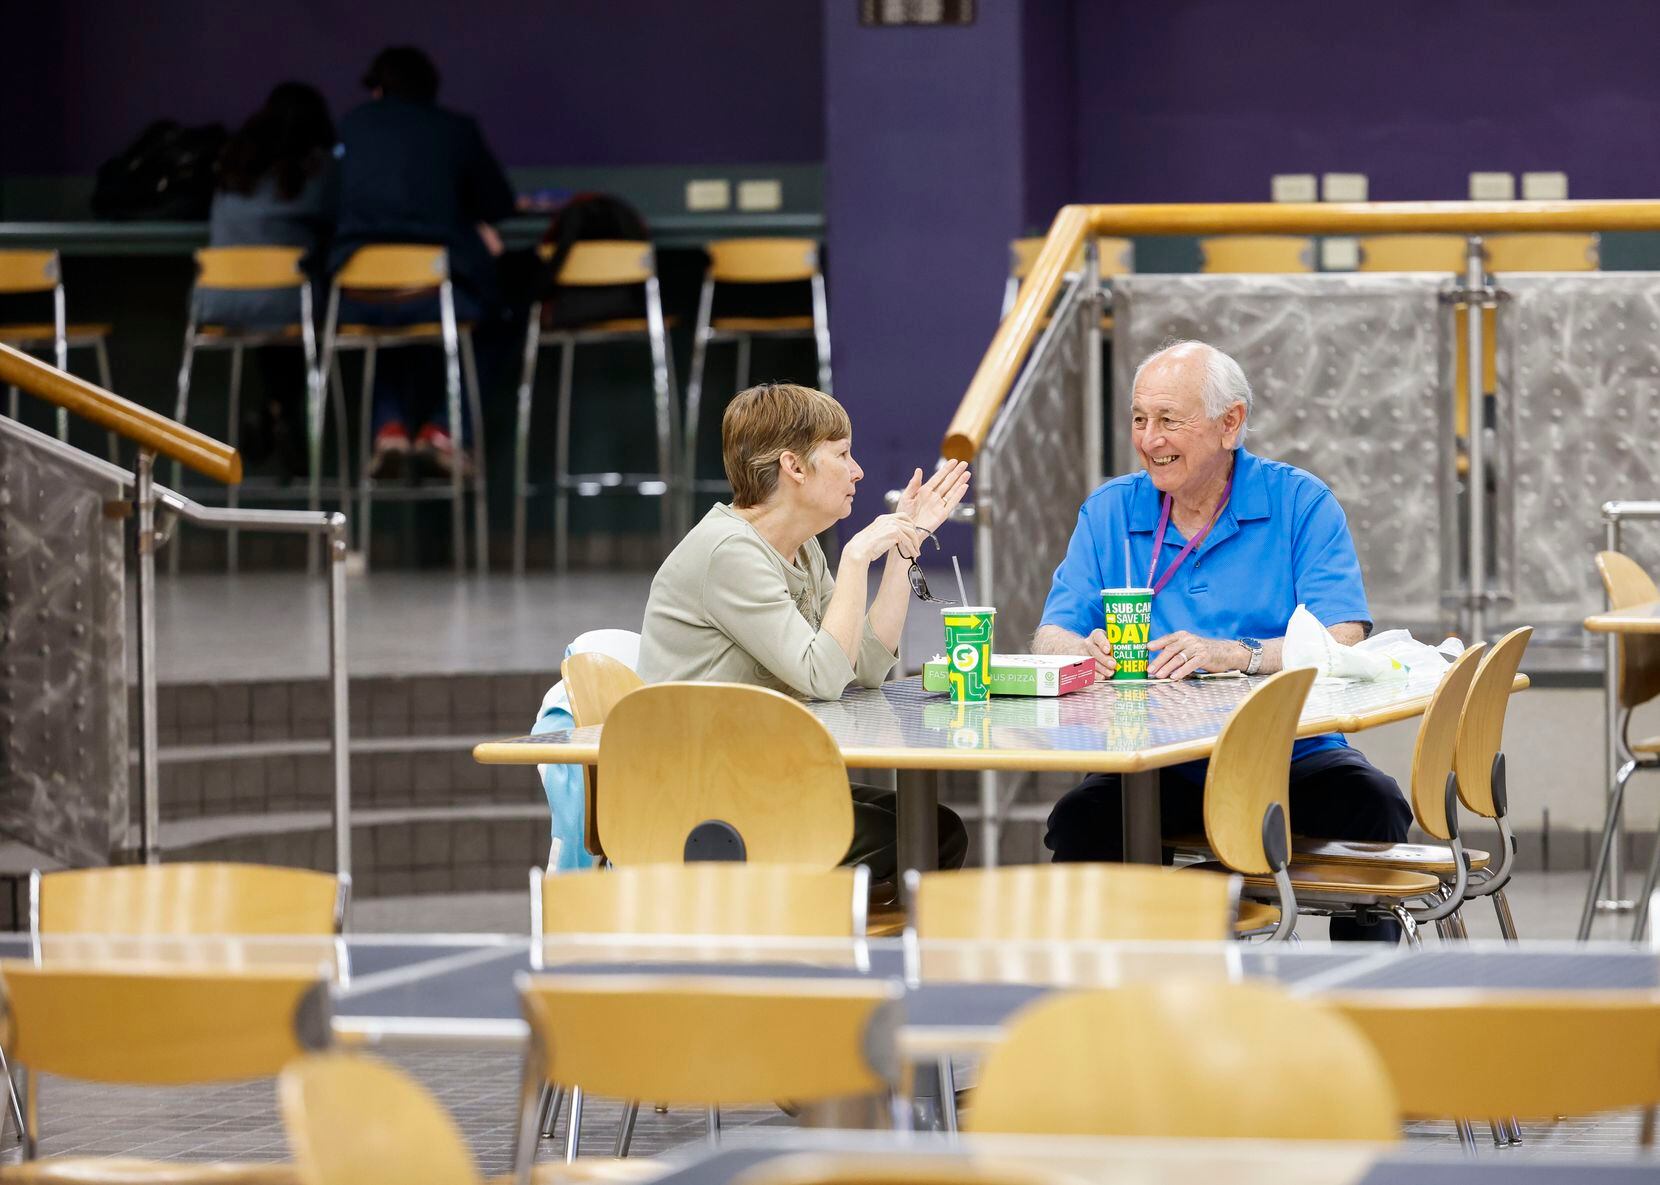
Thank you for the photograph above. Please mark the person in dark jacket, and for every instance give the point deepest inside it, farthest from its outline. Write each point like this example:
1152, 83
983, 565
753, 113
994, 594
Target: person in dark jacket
411, 171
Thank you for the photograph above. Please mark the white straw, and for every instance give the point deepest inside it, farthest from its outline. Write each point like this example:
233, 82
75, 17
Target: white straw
960, 592
1129, 577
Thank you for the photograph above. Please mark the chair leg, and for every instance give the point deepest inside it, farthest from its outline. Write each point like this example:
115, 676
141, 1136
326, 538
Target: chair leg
948, 1095
1610, 826
1466, 1137
12, 402
1641, 906
521, 435
365, 483
14, 1107
1409, 925
741, 381
233, 431
712, 1125
452, 403
1507, 924
694, 384
101, 354
342, 442
562, 458
475, 410
625, 1129
548, 1105
181, 408
821, 333
666, 413
573, 1126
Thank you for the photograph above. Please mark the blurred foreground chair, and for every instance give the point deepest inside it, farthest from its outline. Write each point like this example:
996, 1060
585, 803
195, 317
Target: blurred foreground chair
595, 682
591, 264
149, 1027
1185, 1059
710, 901
392, 274
708, 1041
259, 269
1636, 683
39, 272
148, 900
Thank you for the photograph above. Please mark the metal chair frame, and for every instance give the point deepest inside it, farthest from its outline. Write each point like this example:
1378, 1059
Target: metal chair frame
62, 342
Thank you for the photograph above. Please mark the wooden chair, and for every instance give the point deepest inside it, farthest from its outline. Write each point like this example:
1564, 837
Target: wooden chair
249, 269
678, 755
1256, 254
1247, 819
40, 272
750, 262
710, 899
146, 1027
595, 682
394, 272
1115, 257
1637, 681
707, 1040
149, 900
1185, 1059
1543, 252
597, 263
1533, 1054
1434, 797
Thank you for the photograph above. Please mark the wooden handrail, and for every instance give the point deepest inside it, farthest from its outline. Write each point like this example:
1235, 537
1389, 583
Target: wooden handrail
148, 429
1019, 330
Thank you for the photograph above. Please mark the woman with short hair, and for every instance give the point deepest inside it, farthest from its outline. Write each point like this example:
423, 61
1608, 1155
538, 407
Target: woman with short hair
747, 596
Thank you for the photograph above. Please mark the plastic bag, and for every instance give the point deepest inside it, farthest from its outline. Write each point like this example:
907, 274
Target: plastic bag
1310, 644
1419, 658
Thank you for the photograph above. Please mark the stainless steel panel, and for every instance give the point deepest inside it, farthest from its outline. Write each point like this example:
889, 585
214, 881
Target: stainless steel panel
1034, 472
1578, 421
1347, 372
63, 693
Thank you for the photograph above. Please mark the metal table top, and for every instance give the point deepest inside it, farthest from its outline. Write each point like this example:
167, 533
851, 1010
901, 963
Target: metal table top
1110, 727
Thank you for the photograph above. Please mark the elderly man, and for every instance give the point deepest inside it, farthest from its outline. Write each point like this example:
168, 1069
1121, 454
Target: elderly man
1231, 544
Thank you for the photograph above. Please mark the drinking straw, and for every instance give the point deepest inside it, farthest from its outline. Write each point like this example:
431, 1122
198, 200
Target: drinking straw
958, 568
1129, 577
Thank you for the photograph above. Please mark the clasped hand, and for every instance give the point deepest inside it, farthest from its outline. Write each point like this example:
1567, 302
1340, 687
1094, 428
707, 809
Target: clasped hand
1176, 656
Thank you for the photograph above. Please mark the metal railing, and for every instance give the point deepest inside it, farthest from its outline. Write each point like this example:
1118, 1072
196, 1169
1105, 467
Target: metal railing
155, 435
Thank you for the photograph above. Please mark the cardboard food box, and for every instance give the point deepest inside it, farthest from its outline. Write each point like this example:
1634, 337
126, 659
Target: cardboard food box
1023, 674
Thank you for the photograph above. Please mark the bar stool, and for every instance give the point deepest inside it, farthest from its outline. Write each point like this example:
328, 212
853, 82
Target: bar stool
1114, 256
258, 269
25, 272
752, 261
397, 272
597, 263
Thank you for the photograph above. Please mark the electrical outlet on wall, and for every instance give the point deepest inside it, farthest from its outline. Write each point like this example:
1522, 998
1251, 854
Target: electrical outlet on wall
715, 194
1293, 187
1492, 187
760, 194
1343, 187
1545, 187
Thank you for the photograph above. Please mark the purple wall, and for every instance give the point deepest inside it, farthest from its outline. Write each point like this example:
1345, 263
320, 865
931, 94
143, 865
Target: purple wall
1203, 100
553, 82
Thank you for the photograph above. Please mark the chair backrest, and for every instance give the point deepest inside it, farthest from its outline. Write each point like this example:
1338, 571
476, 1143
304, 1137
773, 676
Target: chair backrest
249, 267
1628, 585
1411, 253
1532, 1055
1075, 903
29, 271
1543, 252
394, 267
1256, 254
707, 1040
355, 1120
598, 263
1481, 727
594, 682
674, 755
152, 1027
1185, 1058
1432, 754
176, 899
1116, 257
762, 261
756, 900
1250, 770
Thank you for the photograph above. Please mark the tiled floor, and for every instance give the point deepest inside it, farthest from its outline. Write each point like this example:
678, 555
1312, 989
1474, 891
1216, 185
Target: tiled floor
480, 1088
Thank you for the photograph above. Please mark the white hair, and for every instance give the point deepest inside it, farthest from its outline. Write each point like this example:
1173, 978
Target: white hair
1225, 382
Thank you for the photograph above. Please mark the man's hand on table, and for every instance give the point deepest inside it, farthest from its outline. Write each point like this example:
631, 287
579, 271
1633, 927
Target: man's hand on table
1098, 648
1181, 654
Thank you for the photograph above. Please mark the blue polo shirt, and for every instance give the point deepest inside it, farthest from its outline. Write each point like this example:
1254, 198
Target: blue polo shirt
1281, 541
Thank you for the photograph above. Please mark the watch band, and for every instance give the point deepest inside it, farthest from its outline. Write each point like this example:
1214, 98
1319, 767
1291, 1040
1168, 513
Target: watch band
1254, 647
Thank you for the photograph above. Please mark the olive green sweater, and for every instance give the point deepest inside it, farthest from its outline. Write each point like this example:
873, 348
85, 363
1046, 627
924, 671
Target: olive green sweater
725, 607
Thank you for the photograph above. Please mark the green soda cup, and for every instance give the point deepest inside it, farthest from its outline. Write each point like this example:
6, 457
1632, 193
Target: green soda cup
1129, 621
968, 630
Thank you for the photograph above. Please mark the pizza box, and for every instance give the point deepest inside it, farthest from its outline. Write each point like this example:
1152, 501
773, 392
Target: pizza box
1023, 674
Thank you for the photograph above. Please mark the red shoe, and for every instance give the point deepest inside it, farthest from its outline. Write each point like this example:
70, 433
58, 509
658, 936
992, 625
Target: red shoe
435, 452
391, 453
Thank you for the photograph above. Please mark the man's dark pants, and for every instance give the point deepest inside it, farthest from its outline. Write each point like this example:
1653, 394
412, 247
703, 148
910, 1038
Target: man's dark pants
1335, 794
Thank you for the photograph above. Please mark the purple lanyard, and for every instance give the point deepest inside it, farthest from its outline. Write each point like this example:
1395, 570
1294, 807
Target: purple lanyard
1158, 539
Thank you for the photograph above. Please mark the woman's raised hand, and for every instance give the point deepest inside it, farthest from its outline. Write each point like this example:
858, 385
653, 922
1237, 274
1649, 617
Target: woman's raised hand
929, 503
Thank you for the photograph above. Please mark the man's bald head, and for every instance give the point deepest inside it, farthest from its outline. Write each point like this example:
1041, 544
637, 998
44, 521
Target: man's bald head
1192, 365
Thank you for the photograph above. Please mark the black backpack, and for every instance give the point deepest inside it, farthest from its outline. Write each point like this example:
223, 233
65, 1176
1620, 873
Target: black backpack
167, 174
589, 216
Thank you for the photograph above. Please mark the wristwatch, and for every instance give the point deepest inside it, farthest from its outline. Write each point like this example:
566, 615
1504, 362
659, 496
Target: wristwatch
1254, 645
